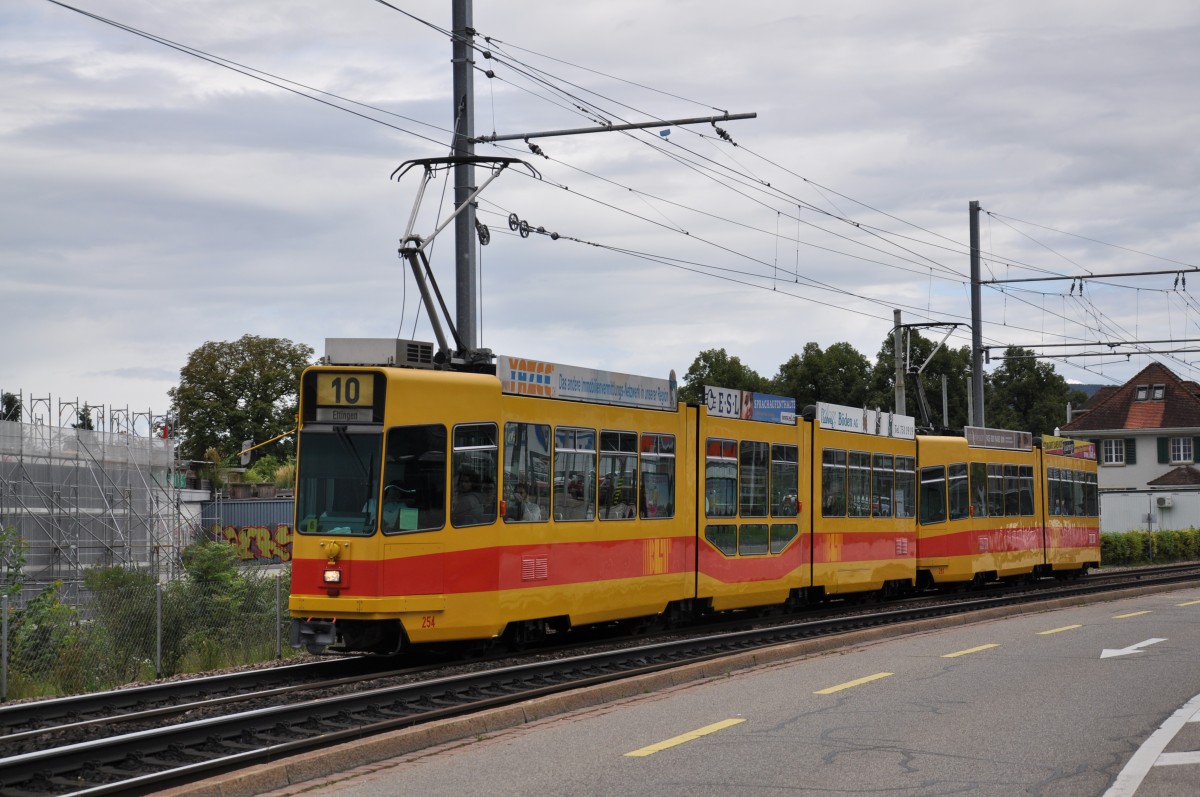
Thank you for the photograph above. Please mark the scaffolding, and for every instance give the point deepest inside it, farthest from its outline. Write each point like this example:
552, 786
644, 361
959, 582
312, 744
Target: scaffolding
81, 498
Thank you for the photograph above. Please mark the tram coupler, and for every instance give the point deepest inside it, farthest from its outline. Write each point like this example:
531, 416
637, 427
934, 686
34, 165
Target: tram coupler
313, 635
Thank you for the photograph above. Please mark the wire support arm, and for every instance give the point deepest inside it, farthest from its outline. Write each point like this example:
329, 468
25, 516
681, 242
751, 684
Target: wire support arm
698, 120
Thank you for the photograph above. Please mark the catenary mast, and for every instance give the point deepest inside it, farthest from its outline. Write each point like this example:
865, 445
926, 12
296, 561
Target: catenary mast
463, 38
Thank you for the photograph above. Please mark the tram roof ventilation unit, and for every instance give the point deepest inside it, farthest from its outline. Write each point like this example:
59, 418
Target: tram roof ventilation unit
379, 351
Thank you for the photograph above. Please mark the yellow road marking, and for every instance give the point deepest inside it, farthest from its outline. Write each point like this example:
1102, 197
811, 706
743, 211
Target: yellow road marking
687, 737
968, 650
1056, 630
1131, 614
855, 682
1189, 603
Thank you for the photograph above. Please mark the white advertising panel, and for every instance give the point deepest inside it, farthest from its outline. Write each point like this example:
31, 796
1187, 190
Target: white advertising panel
746, 404
525, 377
981, 437
723, 402
855, 419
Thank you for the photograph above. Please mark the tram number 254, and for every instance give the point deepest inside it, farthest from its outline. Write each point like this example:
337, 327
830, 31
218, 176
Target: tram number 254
345, 390
428, 621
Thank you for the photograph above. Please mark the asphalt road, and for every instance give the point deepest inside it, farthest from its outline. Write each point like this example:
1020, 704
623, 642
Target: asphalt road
1056, 703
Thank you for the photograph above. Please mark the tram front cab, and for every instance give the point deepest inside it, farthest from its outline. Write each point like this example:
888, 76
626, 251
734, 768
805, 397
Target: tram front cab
380, 558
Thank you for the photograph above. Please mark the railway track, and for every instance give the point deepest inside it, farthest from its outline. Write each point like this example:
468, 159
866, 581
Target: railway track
137, 749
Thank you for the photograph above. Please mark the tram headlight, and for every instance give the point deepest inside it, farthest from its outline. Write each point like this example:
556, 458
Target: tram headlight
333, 576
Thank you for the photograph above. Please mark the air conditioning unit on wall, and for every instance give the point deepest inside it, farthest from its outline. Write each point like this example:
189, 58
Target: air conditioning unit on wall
1164, 502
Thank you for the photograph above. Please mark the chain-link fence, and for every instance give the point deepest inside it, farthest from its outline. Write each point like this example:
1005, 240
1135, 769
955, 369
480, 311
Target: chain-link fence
131, 627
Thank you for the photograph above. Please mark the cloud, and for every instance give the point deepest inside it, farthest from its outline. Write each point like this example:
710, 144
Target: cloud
154, 201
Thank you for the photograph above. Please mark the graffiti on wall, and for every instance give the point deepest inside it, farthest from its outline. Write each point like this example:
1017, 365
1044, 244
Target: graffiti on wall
258, 542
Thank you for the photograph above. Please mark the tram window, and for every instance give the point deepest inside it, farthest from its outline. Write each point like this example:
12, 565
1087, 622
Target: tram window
338, 481
754, 539
526, 472
883, 478
933, 494
979, 507
474, 465
415, 464
833, 482
1052, 478
1091, 497
1012, 500
782, 534
1026, 476
618, 475
1064, 499
720, 478
723, 537
754, 469
1062, 491
658, 476
995, 489
574, 473
860, 484
906, 487
960, 497
785, 481
1078, 493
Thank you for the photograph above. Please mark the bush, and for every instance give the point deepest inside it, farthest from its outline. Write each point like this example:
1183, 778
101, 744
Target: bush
1125, 548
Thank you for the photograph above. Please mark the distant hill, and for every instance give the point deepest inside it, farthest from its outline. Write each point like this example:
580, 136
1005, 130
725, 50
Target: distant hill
1089, 389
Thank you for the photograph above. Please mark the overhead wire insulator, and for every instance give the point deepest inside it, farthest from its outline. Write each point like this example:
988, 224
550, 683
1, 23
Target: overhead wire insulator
724, 136
535, 149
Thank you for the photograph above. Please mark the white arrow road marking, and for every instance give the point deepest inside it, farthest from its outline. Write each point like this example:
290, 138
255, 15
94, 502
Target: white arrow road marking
1108, 653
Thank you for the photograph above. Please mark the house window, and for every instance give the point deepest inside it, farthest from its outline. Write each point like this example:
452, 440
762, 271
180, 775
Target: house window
1181, 450
1159, 392
1114, 452
1143, 393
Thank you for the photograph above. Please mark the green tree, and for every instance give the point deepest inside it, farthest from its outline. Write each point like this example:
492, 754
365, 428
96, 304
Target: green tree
1028, 395
229, 612
954, 364
715, 367
13, 551
241, 390
85, 419
838, 375
45, 641
124, 608
10, 408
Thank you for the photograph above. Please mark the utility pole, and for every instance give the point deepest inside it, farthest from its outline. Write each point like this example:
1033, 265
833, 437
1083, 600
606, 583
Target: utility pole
466, 331
462, 30
977, 417
898, 350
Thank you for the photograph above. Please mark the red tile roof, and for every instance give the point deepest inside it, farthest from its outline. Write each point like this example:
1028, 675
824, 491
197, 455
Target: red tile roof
1183, 476
1098, 397
1118, 408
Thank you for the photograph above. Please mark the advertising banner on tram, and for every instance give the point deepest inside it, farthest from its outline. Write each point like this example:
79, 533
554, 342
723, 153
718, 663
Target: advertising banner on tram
525, 377
727, 403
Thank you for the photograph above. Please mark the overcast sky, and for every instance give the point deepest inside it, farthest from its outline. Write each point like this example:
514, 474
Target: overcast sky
153, 201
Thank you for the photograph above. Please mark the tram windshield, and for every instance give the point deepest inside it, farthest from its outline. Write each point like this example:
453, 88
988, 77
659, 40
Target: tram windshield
337, 481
